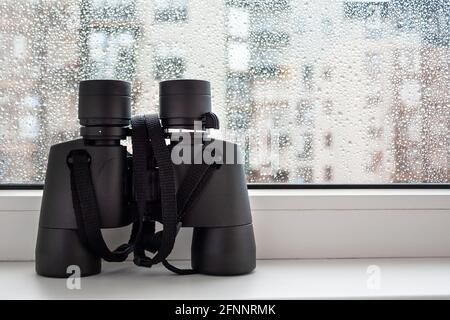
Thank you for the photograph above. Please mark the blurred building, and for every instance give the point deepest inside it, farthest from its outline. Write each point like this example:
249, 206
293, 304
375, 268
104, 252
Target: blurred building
31, 89
332, 91
422, 93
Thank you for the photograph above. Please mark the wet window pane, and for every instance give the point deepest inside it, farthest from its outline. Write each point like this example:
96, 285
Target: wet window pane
313, 91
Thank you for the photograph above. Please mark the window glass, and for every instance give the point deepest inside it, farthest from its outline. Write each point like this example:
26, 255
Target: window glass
313, 91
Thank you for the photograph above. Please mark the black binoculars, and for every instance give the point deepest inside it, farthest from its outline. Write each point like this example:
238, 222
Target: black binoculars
194, 180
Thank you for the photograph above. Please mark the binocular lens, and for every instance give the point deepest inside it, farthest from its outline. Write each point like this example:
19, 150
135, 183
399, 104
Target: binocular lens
104, 103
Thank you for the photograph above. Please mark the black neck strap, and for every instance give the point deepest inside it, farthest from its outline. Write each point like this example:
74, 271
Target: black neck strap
86, 209
148, 129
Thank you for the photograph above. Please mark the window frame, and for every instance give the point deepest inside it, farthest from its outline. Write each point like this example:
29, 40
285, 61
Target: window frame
289, 186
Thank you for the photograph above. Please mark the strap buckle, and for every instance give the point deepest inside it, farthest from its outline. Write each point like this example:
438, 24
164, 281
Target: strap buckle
79, 156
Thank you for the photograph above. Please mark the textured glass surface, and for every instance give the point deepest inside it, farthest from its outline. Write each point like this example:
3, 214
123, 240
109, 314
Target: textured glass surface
313, 91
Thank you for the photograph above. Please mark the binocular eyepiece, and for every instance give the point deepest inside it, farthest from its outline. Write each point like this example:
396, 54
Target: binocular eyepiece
182, 102
104, 108
104, 103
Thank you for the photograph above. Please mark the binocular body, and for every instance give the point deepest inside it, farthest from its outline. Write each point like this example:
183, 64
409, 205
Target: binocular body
223, 240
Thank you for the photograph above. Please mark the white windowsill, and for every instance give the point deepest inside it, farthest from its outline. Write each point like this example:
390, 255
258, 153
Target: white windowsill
292, 199
290, 224
273, 279
350, 199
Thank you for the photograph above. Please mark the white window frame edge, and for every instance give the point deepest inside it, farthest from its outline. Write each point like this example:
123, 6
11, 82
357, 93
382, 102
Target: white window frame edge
290, 224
